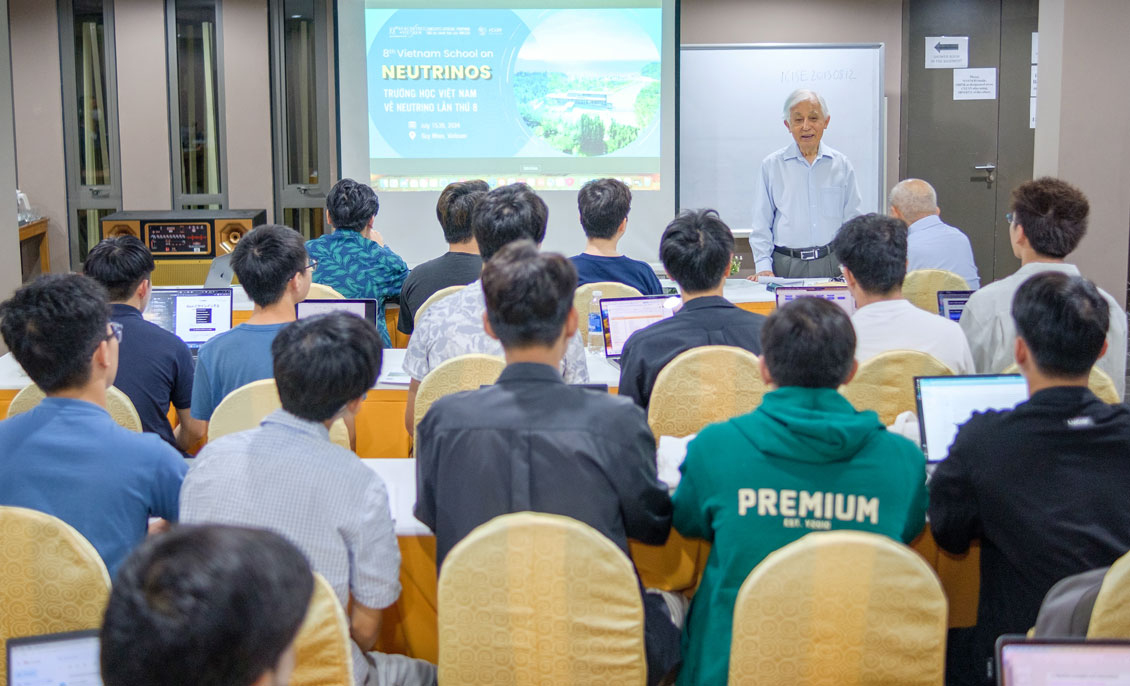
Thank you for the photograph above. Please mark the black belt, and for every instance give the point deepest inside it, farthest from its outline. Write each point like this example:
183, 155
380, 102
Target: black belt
806, 254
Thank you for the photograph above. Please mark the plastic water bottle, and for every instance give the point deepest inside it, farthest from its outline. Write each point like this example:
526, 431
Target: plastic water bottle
596, 331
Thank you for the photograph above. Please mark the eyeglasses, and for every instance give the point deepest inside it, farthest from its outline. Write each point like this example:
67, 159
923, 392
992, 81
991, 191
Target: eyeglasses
115, 332
312, 264
1009, 217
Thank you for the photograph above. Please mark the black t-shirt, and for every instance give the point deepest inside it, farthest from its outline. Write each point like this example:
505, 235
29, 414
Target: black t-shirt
1044, 488
155, 369
449, 269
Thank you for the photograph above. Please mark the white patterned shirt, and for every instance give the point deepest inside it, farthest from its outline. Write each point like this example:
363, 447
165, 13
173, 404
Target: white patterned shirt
288, 477
453, 326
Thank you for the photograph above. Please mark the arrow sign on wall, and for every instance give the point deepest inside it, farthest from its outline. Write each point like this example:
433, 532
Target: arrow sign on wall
947, 52
946, 46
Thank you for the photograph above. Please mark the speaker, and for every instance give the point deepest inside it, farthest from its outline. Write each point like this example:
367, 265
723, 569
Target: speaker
121, 228
229, 233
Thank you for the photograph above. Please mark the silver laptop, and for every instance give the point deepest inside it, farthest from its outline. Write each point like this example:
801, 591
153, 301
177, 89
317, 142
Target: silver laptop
365, 308
622, 317
952, 303
69, 659
1023, 661
220, 273
193, 314
837, 294
945, 403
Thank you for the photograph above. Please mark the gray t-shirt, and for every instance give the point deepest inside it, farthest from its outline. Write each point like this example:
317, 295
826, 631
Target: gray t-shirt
449, 269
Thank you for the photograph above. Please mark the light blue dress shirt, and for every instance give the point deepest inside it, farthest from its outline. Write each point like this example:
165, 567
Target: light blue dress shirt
801, 205
933, 244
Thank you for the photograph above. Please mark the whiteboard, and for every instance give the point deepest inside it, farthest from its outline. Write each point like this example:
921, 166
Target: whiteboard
731, 99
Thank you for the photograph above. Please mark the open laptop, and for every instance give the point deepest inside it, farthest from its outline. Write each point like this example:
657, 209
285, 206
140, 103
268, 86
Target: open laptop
220, 273
947, 402
69, 659
837, 294
1023, 661
193, 314
366, 308
952, 303
622, 317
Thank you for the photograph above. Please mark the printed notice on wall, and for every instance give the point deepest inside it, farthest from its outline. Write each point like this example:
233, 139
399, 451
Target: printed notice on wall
975, 84
1031, 113
1033, 93
1035, 47
947, 52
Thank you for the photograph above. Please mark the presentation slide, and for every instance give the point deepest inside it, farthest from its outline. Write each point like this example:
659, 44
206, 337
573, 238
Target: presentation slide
520, 91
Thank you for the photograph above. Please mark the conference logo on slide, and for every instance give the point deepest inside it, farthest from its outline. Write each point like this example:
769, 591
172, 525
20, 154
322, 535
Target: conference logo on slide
530, 83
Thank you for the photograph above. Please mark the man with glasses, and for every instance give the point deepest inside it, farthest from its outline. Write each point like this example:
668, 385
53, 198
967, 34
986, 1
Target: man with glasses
275, 272
1046, 224
67, 457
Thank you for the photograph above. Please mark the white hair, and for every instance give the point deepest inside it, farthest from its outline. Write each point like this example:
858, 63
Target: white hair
914, 199
804, 95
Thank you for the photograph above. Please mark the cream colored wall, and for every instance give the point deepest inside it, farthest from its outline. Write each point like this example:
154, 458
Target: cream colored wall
9, 256
815, 21
38, 108
247, 90
1081, 130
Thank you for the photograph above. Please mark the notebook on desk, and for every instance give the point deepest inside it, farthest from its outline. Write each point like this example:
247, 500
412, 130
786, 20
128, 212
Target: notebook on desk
622, 317
195, 315
1023, 661
947, 402
67, 659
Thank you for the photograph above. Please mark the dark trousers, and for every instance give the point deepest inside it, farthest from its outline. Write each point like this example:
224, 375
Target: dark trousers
796, 268
660, 638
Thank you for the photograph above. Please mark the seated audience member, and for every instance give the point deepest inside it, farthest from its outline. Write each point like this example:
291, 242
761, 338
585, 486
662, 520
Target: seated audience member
696, 250
604, 206
67, 457
532, 423
454, 325
287, 476
1047, 222
459, 266
804, 460
205, 605
158, 367
932, 244
274, 271
354, 260
1042, 486
872, 252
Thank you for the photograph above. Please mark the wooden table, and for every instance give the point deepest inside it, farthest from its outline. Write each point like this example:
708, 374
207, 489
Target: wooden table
30, 231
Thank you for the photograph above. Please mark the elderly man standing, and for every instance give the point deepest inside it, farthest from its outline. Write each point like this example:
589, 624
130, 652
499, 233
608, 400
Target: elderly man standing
932, 244
807, 191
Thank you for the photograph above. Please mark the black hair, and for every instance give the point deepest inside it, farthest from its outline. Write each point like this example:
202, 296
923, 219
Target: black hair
323, 362
53, 325
506, 214
453, 210
204, 605
808, 342
528, 294
351, 205
1064, 320
696, 249
120, 264
873, 247
1053, 214
266, 259
604, 204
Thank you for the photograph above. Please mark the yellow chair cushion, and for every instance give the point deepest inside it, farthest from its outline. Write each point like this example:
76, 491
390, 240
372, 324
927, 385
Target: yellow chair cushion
323, 650
703, 385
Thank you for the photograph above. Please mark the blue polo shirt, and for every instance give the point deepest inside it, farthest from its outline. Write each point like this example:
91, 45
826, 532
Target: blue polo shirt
68, 458
622, 269
154, 370
232, 359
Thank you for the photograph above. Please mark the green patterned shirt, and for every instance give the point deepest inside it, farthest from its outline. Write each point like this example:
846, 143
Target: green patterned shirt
358, 267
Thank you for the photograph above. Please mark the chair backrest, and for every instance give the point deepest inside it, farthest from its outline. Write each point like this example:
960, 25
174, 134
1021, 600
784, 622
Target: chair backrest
323, 654
922, 285
246, 406
462, 373
51, 578
1111, 616
608, 289
320, 291
704, 385
1099, 382
434, 298
531, 599
840, 607
885, 383
118, 405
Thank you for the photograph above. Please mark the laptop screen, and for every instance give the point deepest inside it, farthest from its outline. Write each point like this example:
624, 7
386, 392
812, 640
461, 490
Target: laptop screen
947, 402
1063, 662
837, 294
193, 314
952, 303
54, 659
621, 317
365, 308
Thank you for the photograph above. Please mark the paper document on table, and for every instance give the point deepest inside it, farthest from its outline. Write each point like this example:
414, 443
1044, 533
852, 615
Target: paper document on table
669, 456
395, 376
